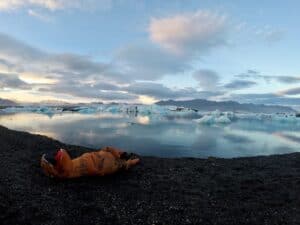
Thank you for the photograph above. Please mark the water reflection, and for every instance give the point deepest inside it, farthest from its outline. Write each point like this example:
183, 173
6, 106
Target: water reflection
161, 136
289, 136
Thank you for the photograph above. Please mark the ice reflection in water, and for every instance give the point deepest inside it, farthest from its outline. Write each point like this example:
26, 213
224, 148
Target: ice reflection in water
162, 136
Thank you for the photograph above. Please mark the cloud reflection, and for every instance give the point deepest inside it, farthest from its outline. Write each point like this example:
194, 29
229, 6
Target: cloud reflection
155, 135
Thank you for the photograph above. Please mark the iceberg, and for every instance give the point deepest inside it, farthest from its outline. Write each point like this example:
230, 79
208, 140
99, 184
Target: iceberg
156, 112
86, 110
281, 118
223, 119
50, 111
112, 108
217, 117
211, 119
180, 112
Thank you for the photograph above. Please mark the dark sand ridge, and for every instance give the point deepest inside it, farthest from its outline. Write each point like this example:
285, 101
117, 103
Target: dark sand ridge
257, 190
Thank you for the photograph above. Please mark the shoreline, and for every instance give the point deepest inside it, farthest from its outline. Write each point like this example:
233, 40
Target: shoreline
247, 190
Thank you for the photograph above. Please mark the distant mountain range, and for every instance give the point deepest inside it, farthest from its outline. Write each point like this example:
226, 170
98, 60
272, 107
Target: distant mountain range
197, 104
205, 105
6, 102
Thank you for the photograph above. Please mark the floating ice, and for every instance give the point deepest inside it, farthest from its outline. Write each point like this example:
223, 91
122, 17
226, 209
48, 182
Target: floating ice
216, 117
223, 119
40, 109
155, 112
281, 118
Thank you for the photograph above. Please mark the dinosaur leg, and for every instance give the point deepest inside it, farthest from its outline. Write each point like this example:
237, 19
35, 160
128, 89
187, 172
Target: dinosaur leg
114, 151
131, 162
120, 164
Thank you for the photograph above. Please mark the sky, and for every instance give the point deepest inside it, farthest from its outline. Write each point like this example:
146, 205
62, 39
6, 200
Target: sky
145, 51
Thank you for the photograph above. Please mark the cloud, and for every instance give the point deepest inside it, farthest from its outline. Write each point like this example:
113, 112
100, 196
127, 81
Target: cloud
208, 79
265, 98
270, 34
14, 51
253, 74
5, 65
160, 91
234, 138
47, 4
287, 79
53, 5
105, 91
151, 89
117, 96
20, 57
123, 78
291, 91
149, 62
101, 91
74, 74
189, 33
39, 15
257, 96
81, 76
274, 35
10, 80
240, 84
266, 33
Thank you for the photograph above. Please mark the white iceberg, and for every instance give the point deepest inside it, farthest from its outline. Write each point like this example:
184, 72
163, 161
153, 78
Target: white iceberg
217, 117
223, 119
210, 119
279, 118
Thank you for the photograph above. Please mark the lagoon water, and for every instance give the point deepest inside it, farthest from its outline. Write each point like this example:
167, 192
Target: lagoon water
161, 135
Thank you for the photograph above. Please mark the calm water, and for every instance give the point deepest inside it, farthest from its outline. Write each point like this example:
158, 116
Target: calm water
161, 136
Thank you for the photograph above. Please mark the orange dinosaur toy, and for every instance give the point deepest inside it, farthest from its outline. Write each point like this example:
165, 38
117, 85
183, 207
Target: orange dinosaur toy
107, 161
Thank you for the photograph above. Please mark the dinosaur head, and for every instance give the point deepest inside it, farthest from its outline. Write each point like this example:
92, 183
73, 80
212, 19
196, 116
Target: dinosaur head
56, 164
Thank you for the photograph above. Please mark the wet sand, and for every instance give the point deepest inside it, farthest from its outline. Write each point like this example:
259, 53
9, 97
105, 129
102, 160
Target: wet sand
256, 190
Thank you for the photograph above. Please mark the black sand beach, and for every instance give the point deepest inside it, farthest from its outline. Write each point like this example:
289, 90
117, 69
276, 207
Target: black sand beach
257, 190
